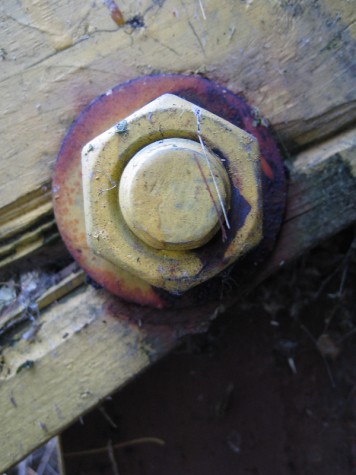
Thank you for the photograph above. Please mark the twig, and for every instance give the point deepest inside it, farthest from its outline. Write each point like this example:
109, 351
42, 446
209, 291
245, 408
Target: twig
197, 113
121, 445
112, 183
327, 279
345, 263
326, 364
344, 266
112, 459
344, 275
202, 9
224, 236
107, 417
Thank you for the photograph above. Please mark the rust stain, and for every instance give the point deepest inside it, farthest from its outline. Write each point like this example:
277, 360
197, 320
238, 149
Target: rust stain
266, 169
123, 100
115, 12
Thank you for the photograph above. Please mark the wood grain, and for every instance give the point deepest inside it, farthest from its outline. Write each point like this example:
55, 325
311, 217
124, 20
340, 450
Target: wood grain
82, 352
321, 198
294, 61
80, 356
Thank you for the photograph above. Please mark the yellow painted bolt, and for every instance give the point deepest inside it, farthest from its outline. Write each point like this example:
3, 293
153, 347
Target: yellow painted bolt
156, 191
168, 197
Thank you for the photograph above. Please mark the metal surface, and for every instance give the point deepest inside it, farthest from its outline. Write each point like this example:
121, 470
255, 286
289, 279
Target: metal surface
114, 106
105, 161
167, 197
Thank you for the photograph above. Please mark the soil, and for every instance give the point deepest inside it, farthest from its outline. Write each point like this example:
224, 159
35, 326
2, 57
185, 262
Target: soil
269, 390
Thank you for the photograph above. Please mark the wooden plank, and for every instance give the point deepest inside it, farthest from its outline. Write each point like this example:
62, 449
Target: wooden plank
16, 313
26, 225
294, 61
321, 198
81, 355
82, 352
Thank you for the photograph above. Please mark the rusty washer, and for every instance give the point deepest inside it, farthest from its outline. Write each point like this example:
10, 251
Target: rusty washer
177, 183
148, 177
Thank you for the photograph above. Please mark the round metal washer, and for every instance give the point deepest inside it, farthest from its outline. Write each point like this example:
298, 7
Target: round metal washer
113, 106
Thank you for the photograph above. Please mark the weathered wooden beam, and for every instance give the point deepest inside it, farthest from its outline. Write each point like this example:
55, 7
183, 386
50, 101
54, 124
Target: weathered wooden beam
293, 61
321, 198
85, 349
26, 225
81, 355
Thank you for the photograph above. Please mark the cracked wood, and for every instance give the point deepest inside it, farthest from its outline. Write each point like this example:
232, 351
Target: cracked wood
293, 61
81, 352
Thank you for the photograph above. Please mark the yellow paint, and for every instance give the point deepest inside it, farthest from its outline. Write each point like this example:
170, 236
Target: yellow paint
104, 160
81, 354
265, 51
167, 195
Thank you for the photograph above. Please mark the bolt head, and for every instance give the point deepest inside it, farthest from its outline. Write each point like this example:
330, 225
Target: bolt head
167, 197
146, 234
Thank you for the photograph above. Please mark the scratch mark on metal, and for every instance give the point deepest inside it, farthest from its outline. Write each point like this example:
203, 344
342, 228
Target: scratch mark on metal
223, 232
197, 113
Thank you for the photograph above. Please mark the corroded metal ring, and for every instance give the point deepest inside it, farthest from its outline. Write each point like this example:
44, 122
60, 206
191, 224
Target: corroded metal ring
119, 103
107, 155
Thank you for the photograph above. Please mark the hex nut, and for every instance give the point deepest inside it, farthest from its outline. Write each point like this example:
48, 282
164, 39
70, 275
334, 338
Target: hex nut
173, 266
